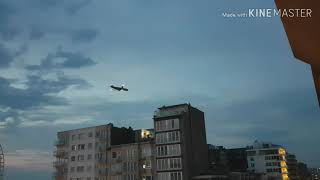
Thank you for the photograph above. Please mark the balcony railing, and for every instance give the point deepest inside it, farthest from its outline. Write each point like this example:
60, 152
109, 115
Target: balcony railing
60, 154
59, 163
59, 175
102, 161
102, 148
60, 142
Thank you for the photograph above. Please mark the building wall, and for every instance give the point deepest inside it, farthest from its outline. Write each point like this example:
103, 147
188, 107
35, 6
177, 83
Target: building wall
81, 153
268, 159
188, 124
131, 161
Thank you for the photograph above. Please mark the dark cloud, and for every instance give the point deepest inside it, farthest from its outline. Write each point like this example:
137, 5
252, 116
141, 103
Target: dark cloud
39, 92
63, 59
7, 30
5, 57
46, 3
36, 34
76, 6
86, 35
26, 98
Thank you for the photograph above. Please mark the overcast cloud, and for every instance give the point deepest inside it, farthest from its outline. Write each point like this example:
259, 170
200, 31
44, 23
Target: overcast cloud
57, 59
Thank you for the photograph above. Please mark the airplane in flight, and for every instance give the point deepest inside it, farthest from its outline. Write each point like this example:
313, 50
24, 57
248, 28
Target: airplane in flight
121, 88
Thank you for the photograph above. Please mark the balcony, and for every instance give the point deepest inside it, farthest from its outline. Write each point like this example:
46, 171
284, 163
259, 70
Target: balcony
59, 176
102, 148
60, 143
60, 154
102, 161
60, 163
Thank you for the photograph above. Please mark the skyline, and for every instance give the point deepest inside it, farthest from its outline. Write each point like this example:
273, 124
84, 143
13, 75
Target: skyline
57, 59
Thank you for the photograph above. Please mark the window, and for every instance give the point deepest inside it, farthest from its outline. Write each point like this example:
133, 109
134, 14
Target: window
89, 168
89, 156
80, 169
169, 150
81, 147
166, 125
73, 147
147, 178
176, 176
90, 134
146, 151
73, 158
97, 134
72, 169
73, 137
80, 136
252, 164
147, 164
132, 154
114, 154
168, 137
80, 157
170, 176
168, 164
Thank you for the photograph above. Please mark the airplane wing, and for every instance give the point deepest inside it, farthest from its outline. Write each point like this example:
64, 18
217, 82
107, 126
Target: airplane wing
116, 88
125, 89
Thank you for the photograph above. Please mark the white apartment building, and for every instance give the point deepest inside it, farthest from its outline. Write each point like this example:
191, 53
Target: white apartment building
104, 153
78, 152
268, 159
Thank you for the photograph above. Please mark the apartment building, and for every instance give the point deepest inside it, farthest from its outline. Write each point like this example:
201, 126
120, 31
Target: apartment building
180, 142
131, 161
176, 149
268, 159
81, 153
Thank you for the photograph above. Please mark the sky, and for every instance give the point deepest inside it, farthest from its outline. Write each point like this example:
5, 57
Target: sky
57, 59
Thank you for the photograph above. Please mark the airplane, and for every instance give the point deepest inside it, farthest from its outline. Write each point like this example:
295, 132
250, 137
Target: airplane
122, 88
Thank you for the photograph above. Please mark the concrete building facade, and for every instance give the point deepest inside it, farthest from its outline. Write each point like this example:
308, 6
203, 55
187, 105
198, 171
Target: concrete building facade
79, 153
180, 141
176, 149
268, 159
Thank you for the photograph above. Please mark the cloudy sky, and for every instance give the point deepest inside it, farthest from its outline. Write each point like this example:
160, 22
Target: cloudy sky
57, 58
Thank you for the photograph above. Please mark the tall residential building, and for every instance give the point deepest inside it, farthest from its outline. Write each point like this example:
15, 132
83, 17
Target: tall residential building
80, 152
269, 159
181, 145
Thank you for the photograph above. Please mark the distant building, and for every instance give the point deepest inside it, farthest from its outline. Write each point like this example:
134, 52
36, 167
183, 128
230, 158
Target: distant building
303, 171
268, 159
315, 173
229, 162
292, 164
181, 143
237, 160
218, 160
